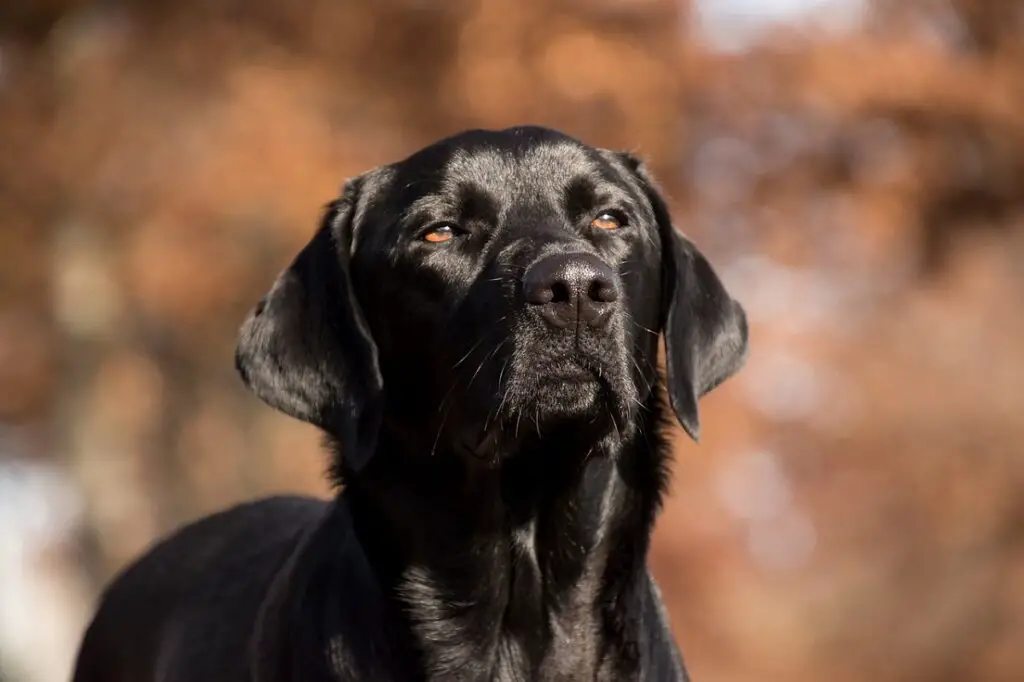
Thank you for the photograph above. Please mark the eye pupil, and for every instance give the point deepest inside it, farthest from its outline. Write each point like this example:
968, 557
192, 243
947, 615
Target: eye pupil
438, 234
606, 221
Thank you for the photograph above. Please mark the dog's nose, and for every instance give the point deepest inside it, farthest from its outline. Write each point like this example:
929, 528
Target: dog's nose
572, 289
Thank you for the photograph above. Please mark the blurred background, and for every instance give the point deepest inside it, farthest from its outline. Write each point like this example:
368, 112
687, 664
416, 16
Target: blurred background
854, 168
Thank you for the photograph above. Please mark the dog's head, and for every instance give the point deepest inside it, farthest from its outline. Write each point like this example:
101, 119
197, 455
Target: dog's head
492, 284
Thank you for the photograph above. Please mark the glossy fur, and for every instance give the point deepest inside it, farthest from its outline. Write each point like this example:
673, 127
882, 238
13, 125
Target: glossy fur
500, 473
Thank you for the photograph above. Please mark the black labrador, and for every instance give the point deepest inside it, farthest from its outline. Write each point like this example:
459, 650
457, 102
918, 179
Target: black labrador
476, 330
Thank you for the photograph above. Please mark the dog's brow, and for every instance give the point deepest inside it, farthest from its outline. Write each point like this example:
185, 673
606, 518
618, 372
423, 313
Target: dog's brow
583, 194
432, 204
477, 204
580, 197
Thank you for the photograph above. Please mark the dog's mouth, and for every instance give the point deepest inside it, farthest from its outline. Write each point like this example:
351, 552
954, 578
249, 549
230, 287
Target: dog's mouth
532, 384
571, 373
541, 391
577, 387
577, 400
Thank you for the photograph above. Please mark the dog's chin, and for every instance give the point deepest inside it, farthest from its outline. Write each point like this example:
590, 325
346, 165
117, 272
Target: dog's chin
583, 392
589, 404
556, 399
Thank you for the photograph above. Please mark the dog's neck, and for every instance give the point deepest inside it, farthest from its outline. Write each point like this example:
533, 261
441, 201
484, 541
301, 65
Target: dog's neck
534, 556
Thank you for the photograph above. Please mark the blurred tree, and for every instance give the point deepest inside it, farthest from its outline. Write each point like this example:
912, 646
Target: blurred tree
853, 509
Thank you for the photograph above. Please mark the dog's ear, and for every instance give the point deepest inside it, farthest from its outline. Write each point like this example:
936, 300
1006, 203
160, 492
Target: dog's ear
306, 350
705, 329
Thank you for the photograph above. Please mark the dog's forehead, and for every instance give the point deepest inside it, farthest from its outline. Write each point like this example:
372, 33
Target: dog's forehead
499, 170
522, 163
517, 169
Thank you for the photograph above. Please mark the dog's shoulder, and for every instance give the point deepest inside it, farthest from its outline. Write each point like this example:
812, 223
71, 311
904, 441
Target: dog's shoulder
326, 599
213, 548
193, 596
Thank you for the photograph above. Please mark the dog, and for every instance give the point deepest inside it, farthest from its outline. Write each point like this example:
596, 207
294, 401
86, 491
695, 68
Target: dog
476, 331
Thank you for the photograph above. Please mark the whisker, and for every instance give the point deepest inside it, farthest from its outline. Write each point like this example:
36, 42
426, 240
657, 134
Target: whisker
440, 428
477, 344
647, 384
504, 391
468, 353
636, 324
484, 362
446, 395
615, 425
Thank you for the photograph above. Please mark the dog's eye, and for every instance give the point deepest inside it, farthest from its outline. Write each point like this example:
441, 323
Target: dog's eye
440, 233
607, 221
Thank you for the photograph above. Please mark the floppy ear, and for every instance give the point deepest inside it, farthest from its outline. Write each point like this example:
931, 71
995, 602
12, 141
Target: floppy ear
306, 349
705, 329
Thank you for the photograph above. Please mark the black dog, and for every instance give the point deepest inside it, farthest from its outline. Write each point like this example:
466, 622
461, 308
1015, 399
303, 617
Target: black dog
476, 329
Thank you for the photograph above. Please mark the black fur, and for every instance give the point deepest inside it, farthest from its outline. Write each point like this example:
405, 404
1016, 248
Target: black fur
501, 460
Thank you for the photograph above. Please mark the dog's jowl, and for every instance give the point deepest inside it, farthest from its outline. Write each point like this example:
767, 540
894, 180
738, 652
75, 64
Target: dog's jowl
475, 328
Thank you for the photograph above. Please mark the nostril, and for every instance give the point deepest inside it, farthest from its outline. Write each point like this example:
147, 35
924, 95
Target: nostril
602, 291
560, 292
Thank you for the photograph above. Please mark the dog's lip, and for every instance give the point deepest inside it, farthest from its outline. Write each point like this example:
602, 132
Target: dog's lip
572, 371
577, 367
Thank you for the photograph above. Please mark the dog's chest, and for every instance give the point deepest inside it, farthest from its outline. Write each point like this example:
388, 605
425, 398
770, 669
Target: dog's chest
564, 649
572, 652
511, 628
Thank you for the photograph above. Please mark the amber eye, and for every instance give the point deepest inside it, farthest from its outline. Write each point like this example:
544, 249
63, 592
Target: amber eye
606, 221
439, 234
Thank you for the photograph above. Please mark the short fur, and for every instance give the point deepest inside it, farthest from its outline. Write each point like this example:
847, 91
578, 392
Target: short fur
499, 474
